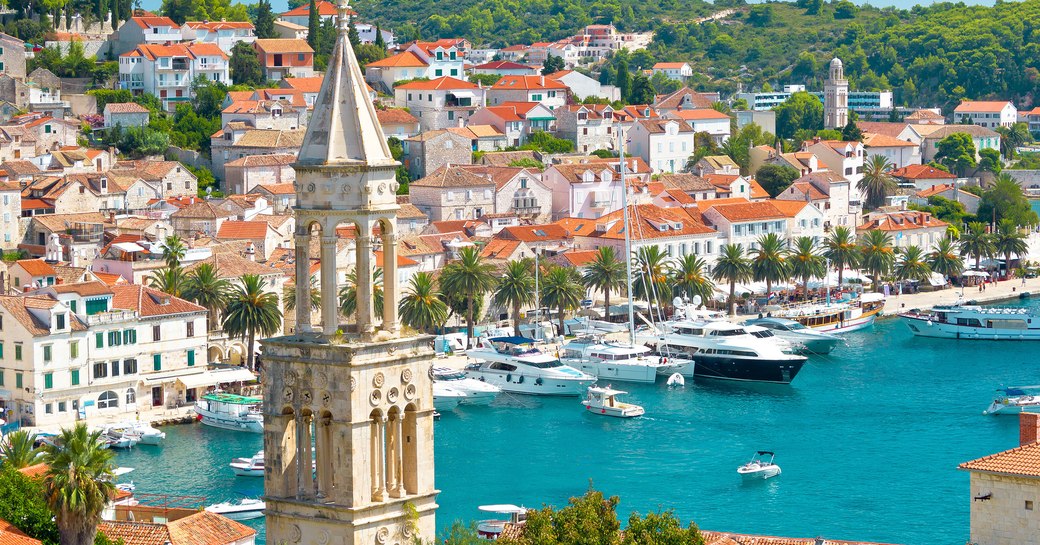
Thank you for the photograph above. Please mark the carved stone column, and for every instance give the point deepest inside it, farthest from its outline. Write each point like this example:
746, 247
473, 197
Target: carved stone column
365, 291
329, 291
391, 294
303, 282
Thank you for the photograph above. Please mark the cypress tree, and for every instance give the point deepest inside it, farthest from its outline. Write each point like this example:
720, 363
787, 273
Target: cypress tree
313, 26
379, 41
623, 81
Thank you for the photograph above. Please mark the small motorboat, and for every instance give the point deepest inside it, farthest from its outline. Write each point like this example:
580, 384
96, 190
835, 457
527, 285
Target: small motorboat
492, 528
121, 438
126, 487
603, 401
249, 467
676, 380
761, 466
244, 509
1014, 400
145, 433
446, 398
477, 392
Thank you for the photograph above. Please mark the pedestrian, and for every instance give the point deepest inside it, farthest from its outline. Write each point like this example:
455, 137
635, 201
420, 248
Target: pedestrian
980, 287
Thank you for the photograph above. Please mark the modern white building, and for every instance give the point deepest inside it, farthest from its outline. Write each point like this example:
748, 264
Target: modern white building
549, 92
167, 71
706, 120
440, 103
678, 71
986, 113
665, 144
224, 34
144, 30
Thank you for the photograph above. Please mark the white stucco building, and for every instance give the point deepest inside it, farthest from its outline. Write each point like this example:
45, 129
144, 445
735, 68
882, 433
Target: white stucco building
665, 144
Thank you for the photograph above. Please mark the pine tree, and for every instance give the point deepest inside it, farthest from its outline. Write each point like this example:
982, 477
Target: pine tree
313, 25
264, 20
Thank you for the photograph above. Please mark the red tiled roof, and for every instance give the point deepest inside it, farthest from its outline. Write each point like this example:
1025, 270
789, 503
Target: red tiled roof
535, 233
941, 188
36, 267
1023, 461
35, 470
239, 230
9, 535
125, 108
668, 65
279, 189
406, 59
973, 106
875, 140
504, 65
499, 248
307, 85
149, 22
283, 45
277, 159
903, 220
921, 172
578, 258
395, 115
699, 114
746, 211
325, 9
530, 83
149, 302
445, 83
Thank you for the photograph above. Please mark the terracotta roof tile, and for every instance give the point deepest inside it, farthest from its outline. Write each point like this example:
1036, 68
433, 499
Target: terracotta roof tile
499, 248
283, 45
150, 302
325, 9
85, 289
232, 265
9, 535
921, 172
276, 159
903, 220
125, 108
36, 267
238, 230
306, 85
530, 83
1023, 461
149, 22
406, 59
535, 233
442, 83
205, 528
658, 125
875, 140
981, 106
279, 189
746, 211
19, 307
395, 115
202, 209
446, 176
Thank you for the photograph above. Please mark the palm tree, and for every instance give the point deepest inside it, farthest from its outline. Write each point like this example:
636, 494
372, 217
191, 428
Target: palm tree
975, 241
515, 289
252, 310
18, 449
651, 275
422, 307
806, 262
78, 483
468, 277
731, 266
174, 250
691, 277
945, 259
605, 273
878, 255
1008, 240
769, 261
169, 280
348, 293
289, 295
877, 183
206, 289
841, 249
913, 265
562, 289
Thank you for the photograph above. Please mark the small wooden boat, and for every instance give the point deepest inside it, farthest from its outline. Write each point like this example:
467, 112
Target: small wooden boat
603, 401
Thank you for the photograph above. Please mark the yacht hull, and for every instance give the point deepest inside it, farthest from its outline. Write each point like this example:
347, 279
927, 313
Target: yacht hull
615, 371
929, 328
519, 384
747, 370
210, 419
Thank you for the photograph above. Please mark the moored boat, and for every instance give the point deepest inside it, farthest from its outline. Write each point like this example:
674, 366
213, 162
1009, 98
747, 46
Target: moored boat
625, 362
446, 398
1015, 399
492, 528
974, 322
515, 365
836, 317
761, 466
477, 392
231, 412
244, 509
604, 401
249, 467
804, 338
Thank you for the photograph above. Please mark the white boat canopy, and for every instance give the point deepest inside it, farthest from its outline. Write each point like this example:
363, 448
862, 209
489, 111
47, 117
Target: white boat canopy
217, 376
121, 471
975, 273
502, 508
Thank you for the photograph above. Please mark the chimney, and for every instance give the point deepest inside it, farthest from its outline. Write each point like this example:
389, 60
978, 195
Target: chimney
251, 252
541, 81
1028, 428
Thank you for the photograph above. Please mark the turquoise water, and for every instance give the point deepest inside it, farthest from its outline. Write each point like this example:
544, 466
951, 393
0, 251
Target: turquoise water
869, 439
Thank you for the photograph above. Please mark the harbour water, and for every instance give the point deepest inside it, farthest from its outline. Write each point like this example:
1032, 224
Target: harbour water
869, 439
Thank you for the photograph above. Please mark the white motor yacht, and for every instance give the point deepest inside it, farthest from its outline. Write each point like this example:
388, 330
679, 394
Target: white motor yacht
617, 361
604, 401
724, 350
249, 467
244, 509
807, 339
974, 322
446, 398
1015, 399
477, 392
492, 528
146, 434
760, 467
515, 365
231, 412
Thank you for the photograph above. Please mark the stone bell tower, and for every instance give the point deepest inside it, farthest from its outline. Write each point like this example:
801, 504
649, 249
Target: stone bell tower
348, 403
835, 97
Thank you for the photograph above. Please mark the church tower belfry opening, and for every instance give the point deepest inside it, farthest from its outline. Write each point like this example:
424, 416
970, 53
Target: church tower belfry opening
348, 401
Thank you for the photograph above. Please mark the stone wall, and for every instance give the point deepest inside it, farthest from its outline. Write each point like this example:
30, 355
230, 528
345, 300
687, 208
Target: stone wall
1005, 518
1028, 179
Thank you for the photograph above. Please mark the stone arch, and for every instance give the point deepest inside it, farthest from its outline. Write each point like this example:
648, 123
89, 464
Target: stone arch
410, 454
215, 354
236, 353
391, 282
377, 425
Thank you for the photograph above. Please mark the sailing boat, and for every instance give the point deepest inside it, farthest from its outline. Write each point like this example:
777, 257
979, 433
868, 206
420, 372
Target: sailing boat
620, 361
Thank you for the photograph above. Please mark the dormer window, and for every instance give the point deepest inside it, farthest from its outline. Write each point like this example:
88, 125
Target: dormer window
59, 322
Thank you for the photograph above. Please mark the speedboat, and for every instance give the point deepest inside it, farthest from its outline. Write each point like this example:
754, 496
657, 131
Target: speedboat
249, 467
1014, 400
119, 472
446, 398
975, 322
145, 433
120, 438
809, 340
477, 392
617, 361
492, 528
515, 365
760, 467
604, 401
231, 412
244, 509
724, 350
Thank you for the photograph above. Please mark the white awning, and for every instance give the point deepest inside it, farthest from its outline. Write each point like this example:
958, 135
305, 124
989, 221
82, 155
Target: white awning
165, 378
128, 247
217, 376
463, 94
937, 279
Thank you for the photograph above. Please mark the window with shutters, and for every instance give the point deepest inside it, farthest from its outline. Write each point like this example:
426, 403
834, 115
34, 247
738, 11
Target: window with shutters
156, 333
191, 329
74, 377
100, 370
47, 352
129, 366
17, 380
191, 358
157, 362
99, 340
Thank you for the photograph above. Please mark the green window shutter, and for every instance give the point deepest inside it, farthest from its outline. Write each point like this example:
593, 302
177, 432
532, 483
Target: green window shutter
47, 353
1, 350
75, 377
74, 349
72, 305
17, 380
1, 377
191, 358
18, 352
48, 380
100, 338
157, 362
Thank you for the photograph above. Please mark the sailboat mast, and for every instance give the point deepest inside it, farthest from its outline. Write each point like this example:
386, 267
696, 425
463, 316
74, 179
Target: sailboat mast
628, 241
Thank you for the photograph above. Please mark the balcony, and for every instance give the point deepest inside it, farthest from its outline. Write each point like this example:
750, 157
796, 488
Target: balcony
163, 37
112, 317
86, 232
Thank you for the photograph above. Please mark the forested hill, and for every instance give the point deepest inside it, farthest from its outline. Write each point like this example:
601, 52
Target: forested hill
933, 55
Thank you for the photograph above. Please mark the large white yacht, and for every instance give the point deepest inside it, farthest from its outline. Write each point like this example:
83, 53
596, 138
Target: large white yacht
975, 322
724, 350
231, 412
515, 365
477, 392
804, 338
618, 361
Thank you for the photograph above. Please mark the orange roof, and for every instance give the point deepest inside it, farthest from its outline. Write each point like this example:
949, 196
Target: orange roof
36, 267
239, 230
217, 25
1023, 461
499, 248
446, 82
400, 60
746, 211
530, 83
921, 172
149, 22
283, 45
150, 302
974, 106
757, 191
9, 535
700, 114
279, 189
395, 115
646, 223
35, 470
942, 188
874, 140
789, 208
903, 220
325, 9
579, 258
402, 261
109, 279
307, 85
535, 233
669, 65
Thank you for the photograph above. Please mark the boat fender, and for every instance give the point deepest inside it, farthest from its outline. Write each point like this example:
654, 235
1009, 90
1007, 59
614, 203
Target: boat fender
664, 360
537, 381
520, 380
509, 378
481, 379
